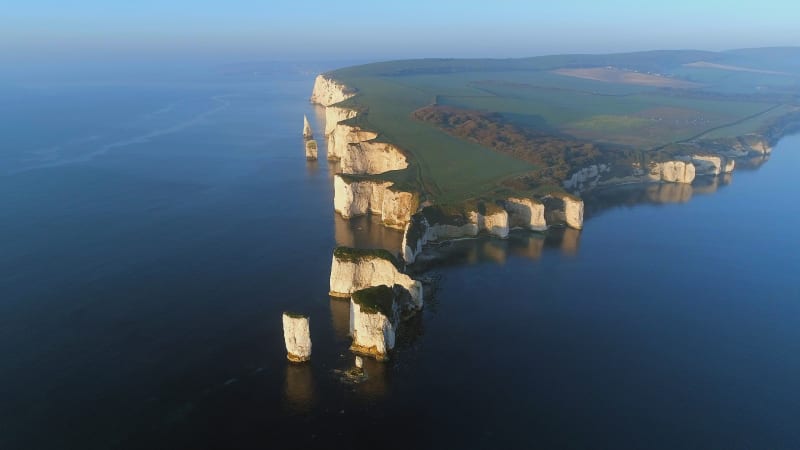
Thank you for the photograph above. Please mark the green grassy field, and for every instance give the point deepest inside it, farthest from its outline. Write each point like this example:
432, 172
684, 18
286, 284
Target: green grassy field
527, 93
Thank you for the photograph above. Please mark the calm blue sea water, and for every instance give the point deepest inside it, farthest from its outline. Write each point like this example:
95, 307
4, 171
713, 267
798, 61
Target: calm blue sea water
152, 231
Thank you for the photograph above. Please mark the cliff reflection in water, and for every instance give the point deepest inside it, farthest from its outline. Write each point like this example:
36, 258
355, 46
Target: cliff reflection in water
653, 194
366, 232
299, 388
486, 249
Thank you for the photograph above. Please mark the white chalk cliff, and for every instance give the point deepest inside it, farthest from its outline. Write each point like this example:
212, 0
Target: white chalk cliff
525, 213
421, 229
359, 153
334, 115
358, 197
712, 164
672, 172
328, 92
586, 178
352, 270
297, 336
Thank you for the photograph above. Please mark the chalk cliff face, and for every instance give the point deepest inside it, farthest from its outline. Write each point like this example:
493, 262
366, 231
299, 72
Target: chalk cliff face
297, 337
564, 209
712, 164
344, 135
586, 178
334, 115
431, 225
358, 197
525, 213
328, 92
354, 269
373, 321
672, 172
370, 157
494, 221
360, 154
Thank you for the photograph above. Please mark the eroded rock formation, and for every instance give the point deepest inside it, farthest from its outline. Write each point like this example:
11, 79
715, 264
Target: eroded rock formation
355, 197
355, 269
374, 316
712, 164
672, 172
311, 150
307, 133
297, 336
328, 92
525, 213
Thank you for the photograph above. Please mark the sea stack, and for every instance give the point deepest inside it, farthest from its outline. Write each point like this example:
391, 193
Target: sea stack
307, 134
308, 137
297, 336
311, 150
374, 316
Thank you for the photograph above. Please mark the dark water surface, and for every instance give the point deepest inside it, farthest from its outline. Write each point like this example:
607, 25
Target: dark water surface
152, 233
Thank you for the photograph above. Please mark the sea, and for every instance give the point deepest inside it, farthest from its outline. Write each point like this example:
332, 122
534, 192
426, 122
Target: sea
154, 225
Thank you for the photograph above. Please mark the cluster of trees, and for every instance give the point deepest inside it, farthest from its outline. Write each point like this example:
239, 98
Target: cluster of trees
555, 157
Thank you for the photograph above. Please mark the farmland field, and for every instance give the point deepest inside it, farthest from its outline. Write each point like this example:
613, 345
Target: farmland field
638, 102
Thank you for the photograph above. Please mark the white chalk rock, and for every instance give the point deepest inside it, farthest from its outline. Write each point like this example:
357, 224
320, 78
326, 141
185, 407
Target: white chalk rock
373, 321
494, 221
672, 172
356, 269
297, 336
344, 135
525, 213
334, 115
307, 133
311, 150
369, 157
328, 92
353, 197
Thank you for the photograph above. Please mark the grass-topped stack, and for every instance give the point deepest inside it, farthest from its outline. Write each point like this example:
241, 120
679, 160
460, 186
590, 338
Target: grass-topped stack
374, 315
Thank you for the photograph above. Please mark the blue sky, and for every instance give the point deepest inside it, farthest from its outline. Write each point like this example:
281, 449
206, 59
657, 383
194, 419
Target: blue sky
237, 29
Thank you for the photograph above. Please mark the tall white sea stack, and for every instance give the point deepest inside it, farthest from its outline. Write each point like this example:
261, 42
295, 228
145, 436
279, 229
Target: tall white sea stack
297, 336
307, 133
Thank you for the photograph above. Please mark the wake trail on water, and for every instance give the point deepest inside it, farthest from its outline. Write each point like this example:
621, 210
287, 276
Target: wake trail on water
52, 152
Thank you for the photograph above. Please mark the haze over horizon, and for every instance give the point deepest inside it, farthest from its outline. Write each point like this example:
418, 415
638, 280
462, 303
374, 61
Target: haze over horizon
47, 30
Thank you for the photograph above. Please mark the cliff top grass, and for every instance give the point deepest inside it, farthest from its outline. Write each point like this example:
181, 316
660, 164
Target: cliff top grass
349, 254
295, 315
634, 102
375, 300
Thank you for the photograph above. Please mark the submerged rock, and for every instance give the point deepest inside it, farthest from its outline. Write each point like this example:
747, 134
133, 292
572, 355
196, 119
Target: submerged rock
297, 336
